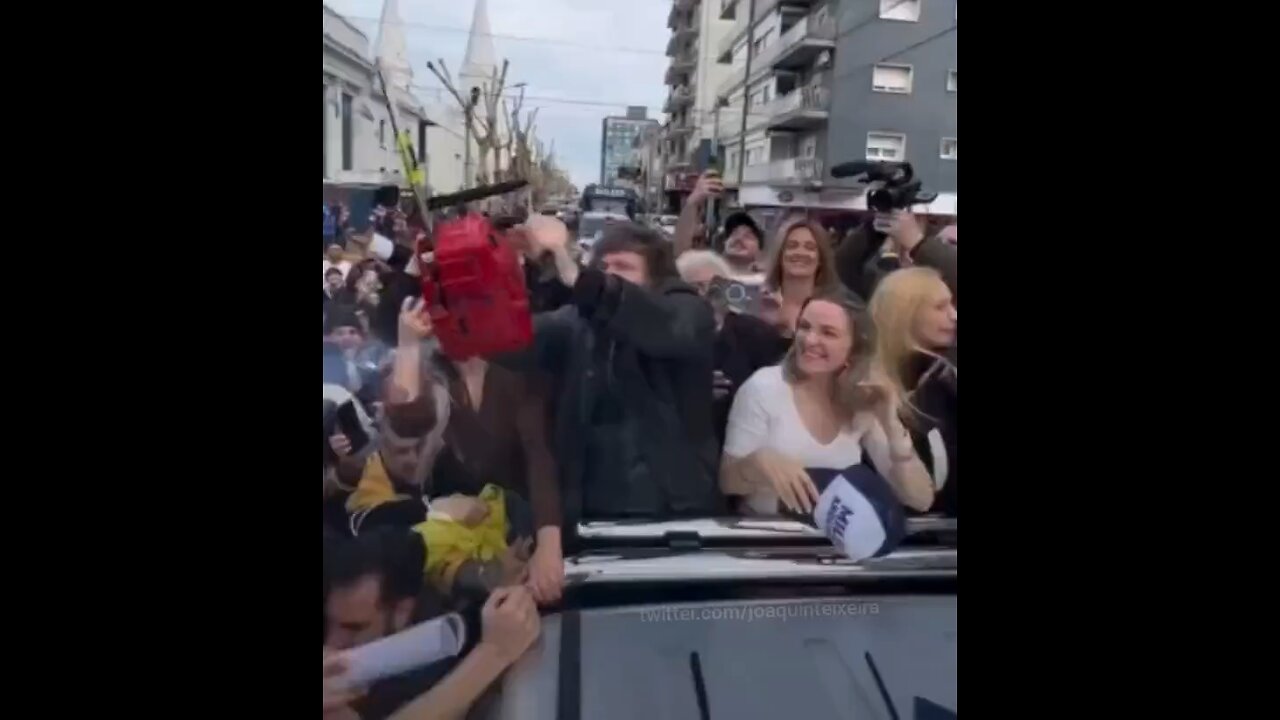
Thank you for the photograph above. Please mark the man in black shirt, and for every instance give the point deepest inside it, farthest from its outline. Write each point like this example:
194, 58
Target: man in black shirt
631, 360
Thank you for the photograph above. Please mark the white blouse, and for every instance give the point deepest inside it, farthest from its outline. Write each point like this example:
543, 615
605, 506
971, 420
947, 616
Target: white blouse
764, 415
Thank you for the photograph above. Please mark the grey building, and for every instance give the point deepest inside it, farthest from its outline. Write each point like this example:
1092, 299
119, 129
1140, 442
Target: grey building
827, 81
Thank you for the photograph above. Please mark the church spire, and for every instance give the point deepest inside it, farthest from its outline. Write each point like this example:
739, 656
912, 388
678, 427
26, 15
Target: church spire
480, 60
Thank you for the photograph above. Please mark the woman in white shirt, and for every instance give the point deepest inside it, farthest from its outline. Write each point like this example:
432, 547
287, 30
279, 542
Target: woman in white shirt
822, 407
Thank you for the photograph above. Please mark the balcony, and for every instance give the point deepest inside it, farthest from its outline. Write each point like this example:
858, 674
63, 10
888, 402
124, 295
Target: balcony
678, 8
727, 9
680, 127
800, 45
737, 74
802, 109
681, 64
792, 171
683, 31
678, 98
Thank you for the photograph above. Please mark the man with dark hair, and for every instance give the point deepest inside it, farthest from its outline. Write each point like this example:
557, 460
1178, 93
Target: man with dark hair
744, 241
373, 587
631, 356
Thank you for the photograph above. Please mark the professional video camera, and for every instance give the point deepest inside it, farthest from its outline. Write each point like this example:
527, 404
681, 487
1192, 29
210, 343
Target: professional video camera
897, 190
472, 281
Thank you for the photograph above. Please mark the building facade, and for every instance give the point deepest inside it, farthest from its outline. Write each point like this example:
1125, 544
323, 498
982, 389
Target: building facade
618, 137
649, 163
359, 145
693, 75
822, 82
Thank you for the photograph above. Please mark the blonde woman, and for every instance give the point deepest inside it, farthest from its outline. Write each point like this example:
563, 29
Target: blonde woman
802, 264
823, 407
915, 319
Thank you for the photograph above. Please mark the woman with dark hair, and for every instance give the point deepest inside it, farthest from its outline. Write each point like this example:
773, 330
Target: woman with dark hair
803, 264
823, 407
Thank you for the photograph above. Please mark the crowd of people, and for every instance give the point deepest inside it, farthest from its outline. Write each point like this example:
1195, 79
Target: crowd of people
663, 381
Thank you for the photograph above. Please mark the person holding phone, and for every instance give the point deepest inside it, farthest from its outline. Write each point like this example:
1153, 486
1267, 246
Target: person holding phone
744, 343
823, 407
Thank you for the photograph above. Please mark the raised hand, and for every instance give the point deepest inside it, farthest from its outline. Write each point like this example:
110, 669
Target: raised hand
415, 322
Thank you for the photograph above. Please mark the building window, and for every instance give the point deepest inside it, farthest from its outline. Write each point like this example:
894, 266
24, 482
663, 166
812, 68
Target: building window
382, 134
951, 81
809, 147
765, 98
948, 149
886, 146
891, 78
906, 10
347, 144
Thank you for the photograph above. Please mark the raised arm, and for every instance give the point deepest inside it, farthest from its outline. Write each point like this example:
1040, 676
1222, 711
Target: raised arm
709, 185
892, 452
546, 566
510, 625
410, 407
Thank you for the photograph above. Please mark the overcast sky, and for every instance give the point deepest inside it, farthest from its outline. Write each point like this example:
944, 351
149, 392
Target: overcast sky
551, 68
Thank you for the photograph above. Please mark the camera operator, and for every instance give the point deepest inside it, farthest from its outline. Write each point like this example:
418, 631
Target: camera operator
857, 255
744, 343
632, 359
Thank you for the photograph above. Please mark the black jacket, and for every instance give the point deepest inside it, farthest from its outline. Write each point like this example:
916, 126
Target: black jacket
855, 261
744, 344
652, 349
936, 394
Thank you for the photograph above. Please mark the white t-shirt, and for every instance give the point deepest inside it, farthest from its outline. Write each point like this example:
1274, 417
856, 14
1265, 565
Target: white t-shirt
764, 415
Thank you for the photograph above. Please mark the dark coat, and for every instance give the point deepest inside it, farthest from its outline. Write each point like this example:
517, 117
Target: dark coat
858, 271
651, 348
935, 394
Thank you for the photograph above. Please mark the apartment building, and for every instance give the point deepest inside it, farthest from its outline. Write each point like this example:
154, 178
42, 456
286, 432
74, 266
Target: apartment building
814, 83
617, 141
692, 76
